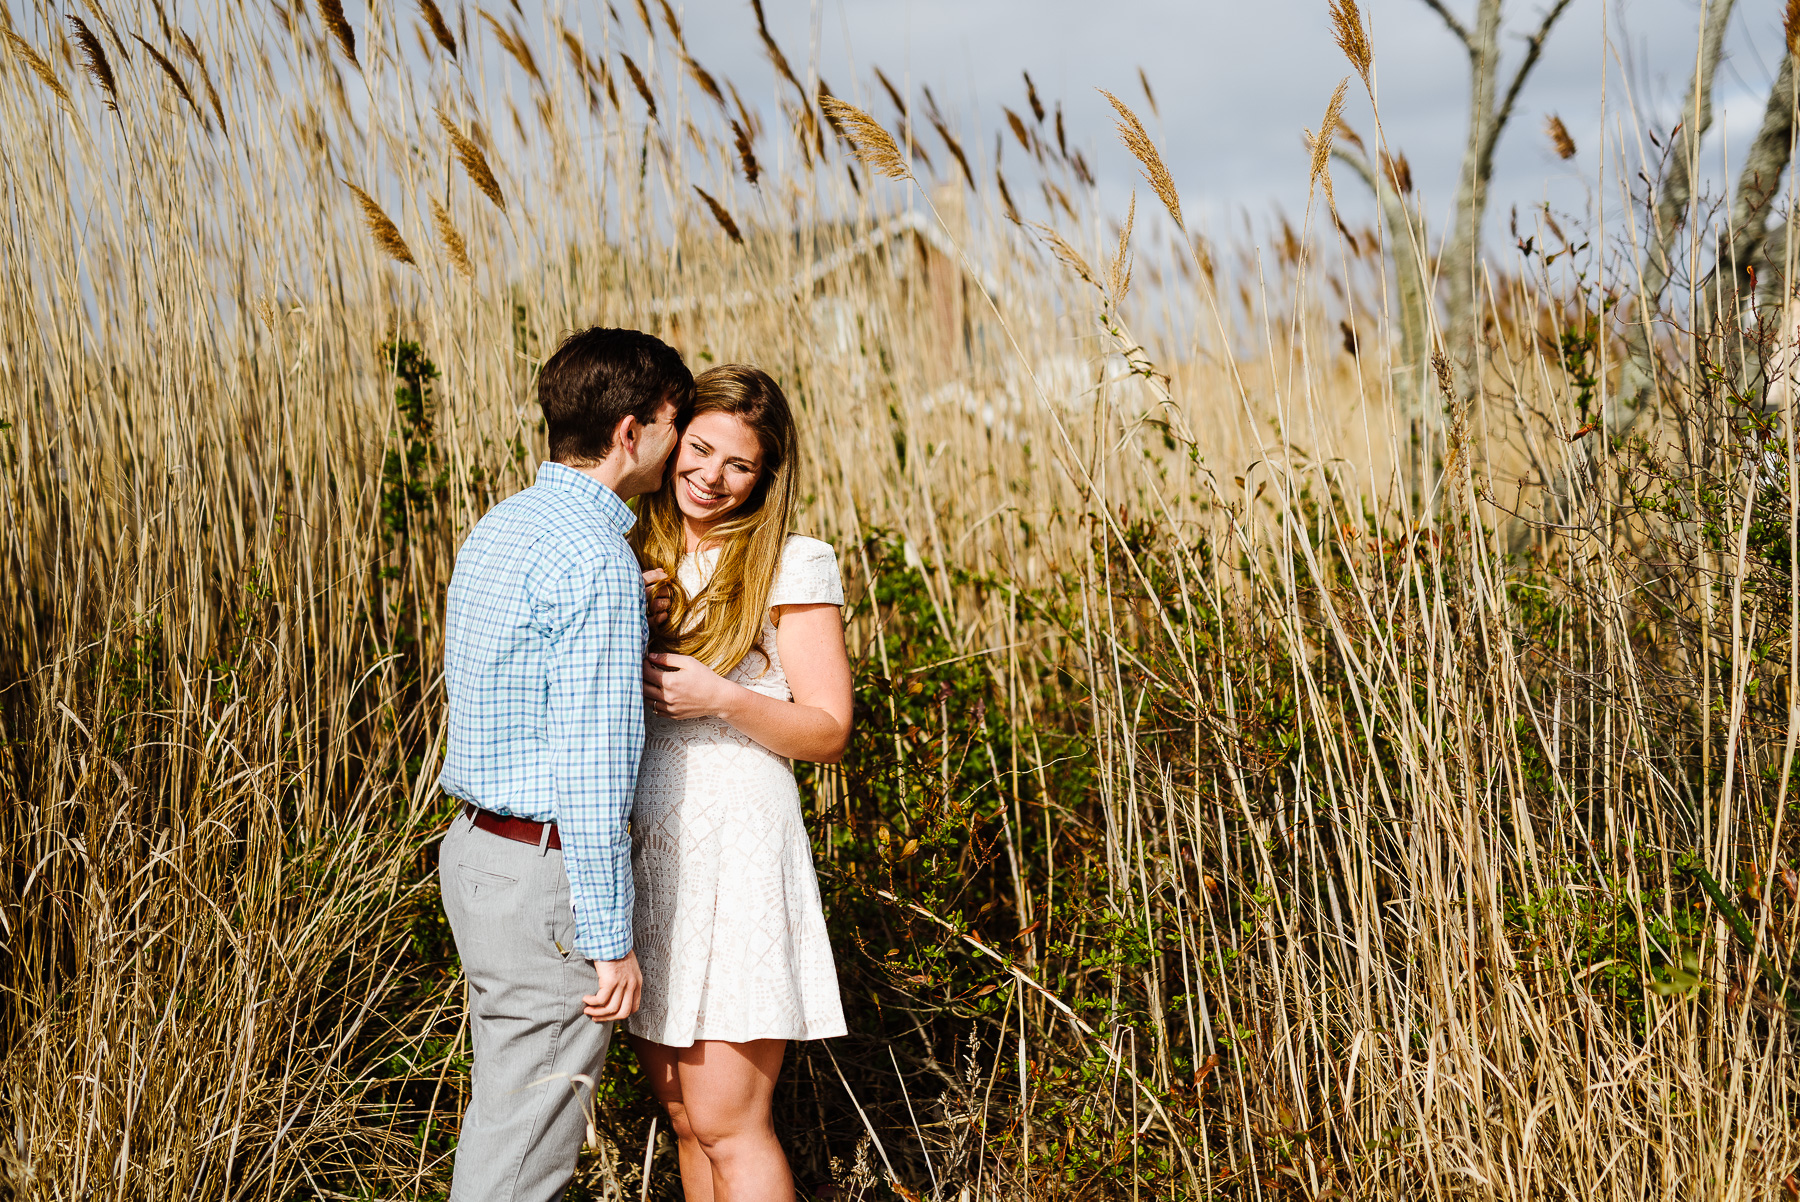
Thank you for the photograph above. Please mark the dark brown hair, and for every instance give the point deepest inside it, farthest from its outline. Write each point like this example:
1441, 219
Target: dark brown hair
597, 377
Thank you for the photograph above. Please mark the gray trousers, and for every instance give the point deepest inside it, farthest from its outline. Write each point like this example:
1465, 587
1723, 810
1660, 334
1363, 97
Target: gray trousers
514, 924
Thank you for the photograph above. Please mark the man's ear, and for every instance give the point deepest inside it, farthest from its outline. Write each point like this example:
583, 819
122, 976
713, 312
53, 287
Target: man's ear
625, 434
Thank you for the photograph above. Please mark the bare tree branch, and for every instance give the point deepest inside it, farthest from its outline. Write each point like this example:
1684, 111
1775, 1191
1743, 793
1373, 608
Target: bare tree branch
1742, 250
1637, 379
1456, 26
1534, 48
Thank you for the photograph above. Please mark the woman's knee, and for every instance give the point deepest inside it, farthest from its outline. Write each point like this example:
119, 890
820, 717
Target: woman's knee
679, 1121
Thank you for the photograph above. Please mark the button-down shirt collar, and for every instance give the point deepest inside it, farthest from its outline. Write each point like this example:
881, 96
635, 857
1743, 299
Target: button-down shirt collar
552, 474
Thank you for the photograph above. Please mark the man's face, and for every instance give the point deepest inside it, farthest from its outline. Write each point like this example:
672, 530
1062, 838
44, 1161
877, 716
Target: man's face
649, 452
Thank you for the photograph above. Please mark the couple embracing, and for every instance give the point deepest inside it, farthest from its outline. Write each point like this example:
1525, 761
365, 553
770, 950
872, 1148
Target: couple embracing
625, 693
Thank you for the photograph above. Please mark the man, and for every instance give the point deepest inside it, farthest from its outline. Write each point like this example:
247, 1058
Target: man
544, 640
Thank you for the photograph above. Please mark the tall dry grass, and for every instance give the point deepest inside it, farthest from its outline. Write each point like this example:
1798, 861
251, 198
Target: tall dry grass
1246, 803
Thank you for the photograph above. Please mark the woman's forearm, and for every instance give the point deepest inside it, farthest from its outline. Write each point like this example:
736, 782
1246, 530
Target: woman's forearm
798, 732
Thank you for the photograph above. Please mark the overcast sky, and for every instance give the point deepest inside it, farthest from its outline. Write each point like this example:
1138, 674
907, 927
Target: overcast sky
1237, 80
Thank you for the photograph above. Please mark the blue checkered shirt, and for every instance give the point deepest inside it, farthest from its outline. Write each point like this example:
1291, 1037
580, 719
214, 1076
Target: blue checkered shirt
543, 647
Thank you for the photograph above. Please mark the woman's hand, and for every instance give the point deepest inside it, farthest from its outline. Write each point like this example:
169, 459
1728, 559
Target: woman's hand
657, 598
681, 687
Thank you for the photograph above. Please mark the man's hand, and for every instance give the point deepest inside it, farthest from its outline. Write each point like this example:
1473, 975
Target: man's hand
657, 596
620, 988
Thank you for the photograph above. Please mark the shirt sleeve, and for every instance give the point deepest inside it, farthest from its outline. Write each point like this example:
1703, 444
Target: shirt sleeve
592, 616
808, 575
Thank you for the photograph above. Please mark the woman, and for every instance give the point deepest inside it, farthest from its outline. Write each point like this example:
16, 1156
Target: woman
749, 672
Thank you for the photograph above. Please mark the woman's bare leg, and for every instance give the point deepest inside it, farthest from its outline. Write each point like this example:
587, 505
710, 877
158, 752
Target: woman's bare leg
725, 1091
660, 1065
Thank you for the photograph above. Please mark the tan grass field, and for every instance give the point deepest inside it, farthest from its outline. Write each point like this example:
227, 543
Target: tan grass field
1246, 804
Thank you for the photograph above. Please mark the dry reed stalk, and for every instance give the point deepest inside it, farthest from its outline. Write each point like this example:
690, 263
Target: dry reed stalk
440, 29
1131, 132
331, 12
721, 216
93, 61
381, 228
873, 144
474, 162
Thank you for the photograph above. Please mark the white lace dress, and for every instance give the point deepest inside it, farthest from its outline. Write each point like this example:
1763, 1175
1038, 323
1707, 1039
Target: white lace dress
728, 928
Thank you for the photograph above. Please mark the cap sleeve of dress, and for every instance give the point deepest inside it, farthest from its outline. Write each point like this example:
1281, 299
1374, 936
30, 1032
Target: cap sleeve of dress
808, 576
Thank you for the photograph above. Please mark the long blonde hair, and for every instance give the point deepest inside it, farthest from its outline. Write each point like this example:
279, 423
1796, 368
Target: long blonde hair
724, 622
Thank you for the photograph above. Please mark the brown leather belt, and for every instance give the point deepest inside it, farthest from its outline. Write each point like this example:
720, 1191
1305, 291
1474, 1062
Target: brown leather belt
519, 830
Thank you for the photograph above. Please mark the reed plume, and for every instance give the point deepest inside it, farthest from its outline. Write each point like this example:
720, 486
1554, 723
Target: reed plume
93, 61
1016, 123
473, 161
1066, 254
674, 25
1118, 272
1559, 134
873, 145
1144, 82
514, 45
721, 216
707, 83
212, 93
1352, 37
1320, 144
740, 139
168, 67
381, 228
1790, 27
1031, 98
637, 81
776, 57
332, 13
39, 67
1010, 209
1131, 131
452, 241
440, 29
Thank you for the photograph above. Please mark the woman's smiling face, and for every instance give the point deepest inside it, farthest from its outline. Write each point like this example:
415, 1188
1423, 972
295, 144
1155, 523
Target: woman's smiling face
717, 467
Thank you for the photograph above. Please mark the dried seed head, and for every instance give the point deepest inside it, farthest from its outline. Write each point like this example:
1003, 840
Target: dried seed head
473, 161
1351, 36
873, 144
1118, 272
1790, 26
332, 12
1149, 95
1012, 210
39, 67
1037, 106
1320, 144
515, 45
162, 60
93, 61
440, 29
721, 216
1398, 172
1070, 257
1559, 134
453, 243
1131, 131
637, 81
746, 156
385, 232
1017, 125
707, 83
